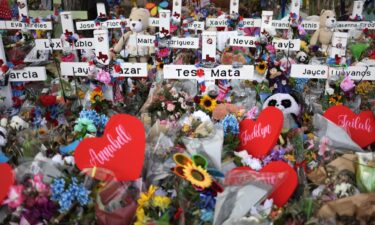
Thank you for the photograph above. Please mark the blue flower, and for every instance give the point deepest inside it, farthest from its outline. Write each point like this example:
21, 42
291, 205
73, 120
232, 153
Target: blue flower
58, 186
230, 125
65, 201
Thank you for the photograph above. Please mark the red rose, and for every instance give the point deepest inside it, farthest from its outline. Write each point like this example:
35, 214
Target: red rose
47, 100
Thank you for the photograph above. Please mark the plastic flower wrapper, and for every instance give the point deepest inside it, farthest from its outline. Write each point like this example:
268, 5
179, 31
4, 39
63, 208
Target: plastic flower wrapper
365, 171
158, 159
338, 137
236, 202
161, 127
207, 139
196, 188
116, 202
244, 97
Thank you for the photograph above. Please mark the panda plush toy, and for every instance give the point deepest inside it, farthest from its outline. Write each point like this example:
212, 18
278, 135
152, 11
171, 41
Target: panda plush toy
288, 104
302, 57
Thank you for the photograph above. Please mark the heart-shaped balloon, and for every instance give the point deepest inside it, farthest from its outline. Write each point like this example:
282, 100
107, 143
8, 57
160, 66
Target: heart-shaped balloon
7, 180
258, 138
360, 127
288, 184
120, 149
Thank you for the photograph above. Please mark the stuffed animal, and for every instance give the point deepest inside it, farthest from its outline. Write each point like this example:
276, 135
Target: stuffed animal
323, 35
289, 106
17, 123
127, 45
302, 57
278, 82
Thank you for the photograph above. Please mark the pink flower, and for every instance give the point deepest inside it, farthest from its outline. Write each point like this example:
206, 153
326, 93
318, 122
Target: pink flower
15, 196
104, 77
252, 113
170, 107
323, 147
37, 182
271, 49
68, 58
347, 84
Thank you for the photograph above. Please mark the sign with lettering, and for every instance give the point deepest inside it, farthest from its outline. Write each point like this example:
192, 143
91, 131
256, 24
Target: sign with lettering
360, 127
309, 71
355, 72
37, 73
101, 44
176, 10
347, 25
251, 22
245, 72
15, 25
209, 46
196, 25
216, 22
110, 24
146, 40
82, 43
164, 22
153, 22
189, 42
130, 70
258, 138
243, 41
74, 68
284, 24
322, 72
121, 149
291, 45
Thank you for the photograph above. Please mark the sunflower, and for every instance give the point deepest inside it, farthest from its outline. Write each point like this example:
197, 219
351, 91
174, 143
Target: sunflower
208, 103
261, 67
197, 176
145, 197
96, 95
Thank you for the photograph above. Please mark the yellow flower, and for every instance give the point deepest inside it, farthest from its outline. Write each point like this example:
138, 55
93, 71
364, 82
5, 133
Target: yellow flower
290, 158
207, 103
145, 197
197, 176
304, 46
161, 202
96, 95
185, 128
141, 217
261, 67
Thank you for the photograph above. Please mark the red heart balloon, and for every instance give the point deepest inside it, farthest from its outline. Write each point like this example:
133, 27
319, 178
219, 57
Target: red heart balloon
284, 191
258, 138
120, 149
360, 127
6, 179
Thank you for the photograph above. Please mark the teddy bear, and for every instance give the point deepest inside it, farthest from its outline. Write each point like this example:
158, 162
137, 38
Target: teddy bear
127, 45
327, 23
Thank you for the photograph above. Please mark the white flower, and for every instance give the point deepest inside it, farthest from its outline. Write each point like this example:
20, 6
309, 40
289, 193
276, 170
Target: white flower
329, 90
343, 189
58, 160
69, 160
202, 116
